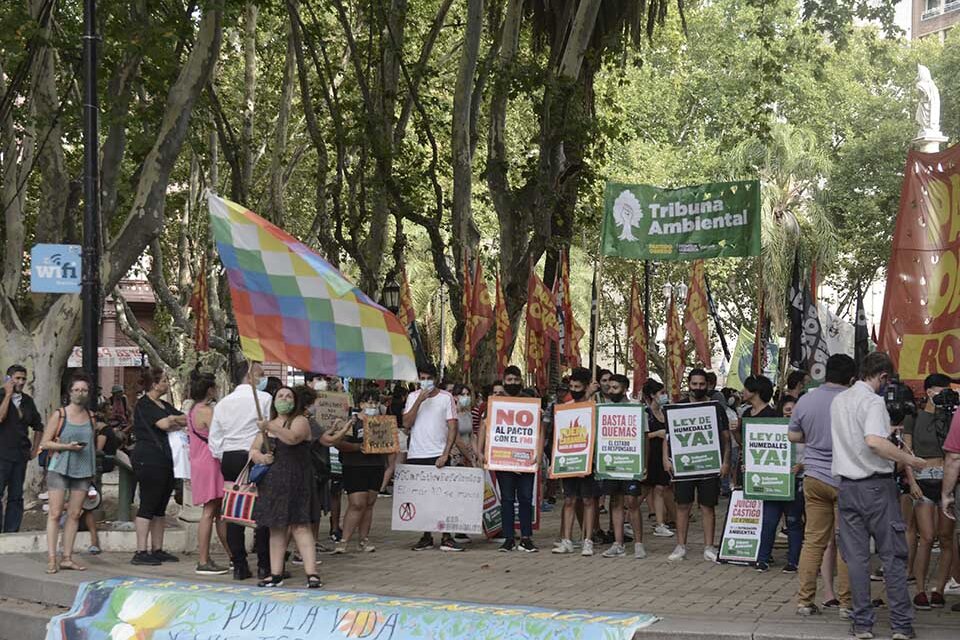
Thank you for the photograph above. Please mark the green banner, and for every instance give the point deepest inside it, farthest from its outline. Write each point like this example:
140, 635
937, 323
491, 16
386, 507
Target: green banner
714, 220
694, 439
621, 441
768, 459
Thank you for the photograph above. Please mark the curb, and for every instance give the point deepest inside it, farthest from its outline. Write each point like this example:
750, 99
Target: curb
24, 620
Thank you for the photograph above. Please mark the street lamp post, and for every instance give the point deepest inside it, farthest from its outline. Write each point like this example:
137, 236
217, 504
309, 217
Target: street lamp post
391, 296
90, 283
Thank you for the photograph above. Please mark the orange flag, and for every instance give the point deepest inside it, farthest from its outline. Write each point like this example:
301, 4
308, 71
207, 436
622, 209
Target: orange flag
542, 328
696, 319
503, 330
466, 306
405, 315
676, 352
481, 316
201, 310
637, 339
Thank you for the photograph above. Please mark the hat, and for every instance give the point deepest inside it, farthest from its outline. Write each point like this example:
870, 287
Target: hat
116, 389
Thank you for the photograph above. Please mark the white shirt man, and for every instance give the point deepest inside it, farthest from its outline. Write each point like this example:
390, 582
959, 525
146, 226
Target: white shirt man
234, 423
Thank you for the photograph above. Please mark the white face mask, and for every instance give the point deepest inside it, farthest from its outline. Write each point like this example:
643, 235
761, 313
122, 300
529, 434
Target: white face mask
426, 385
464, 402
663, 399
371, 411
320, 385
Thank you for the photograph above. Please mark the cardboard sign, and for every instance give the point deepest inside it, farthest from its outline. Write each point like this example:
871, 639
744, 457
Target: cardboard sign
573, 431
741, 532
331, 406
380, 435
621, 441
448, 500
768, 458
513, 434
694, 439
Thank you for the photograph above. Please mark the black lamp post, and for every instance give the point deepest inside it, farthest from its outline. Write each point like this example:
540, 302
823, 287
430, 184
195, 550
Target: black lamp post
90, 283
391, 295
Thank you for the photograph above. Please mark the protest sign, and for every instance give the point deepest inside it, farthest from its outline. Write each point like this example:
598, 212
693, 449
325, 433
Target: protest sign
429, 499
621, 441
492, 516
741, 532
572, 440
380, 435
513, 434
331, 407
694, 439
768, 459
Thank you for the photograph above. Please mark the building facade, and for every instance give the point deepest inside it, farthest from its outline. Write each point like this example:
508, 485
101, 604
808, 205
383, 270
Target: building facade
934, 18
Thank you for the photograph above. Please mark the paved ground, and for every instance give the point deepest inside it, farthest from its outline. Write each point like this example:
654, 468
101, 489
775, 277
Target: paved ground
692, 593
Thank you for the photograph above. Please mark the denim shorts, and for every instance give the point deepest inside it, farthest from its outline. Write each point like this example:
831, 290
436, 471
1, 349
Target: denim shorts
59, 482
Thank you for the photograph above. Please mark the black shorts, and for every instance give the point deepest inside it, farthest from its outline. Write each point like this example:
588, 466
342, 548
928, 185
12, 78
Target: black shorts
588, 487
156, 484
336, 485
931, 489
357, 479
423, 462
707, 491
622, 487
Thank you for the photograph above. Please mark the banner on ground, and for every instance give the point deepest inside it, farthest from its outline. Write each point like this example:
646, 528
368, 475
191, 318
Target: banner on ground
573, 431
513, 434
492, 516
741, 532
768, 459
715, 220
145, 608
621, 441
924, 267
429, 499
380, 435
694, 432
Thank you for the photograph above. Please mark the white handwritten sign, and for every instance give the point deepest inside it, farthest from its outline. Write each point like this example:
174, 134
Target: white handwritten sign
429, 499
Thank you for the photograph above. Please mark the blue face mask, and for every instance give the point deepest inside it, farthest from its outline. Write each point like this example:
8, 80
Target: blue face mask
262, 384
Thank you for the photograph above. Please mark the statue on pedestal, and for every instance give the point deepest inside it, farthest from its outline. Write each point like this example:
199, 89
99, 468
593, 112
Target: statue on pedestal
928, 111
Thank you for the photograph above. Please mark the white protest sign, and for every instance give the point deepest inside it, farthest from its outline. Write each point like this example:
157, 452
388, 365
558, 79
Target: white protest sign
694, 439
449, 500
741, 532
513, 434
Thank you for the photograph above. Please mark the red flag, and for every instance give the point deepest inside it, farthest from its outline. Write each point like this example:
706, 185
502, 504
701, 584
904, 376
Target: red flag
676, 352
570, 347
481, 317
405, 315
201, 310
637, 339
576, 334
758, 363
503, 330
466, 306
695, 320
813, 284
542, 328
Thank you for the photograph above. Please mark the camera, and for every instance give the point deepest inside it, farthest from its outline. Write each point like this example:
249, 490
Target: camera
899, 400
944, 405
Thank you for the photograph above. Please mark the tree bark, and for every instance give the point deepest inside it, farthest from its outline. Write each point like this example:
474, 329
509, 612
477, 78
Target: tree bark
249, 98
281, 132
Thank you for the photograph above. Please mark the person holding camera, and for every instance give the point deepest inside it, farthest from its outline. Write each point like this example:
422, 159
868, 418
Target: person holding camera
868, 498
925, 436
950, 491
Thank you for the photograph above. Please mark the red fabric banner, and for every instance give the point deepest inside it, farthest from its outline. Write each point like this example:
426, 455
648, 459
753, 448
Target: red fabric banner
637, 339
696, 319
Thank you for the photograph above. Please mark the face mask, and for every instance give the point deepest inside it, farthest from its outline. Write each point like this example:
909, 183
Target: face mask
79, 397
663, 399
262, 384
732, 402
320, 385
616, 397
283, 407
426, 385
371, 411
578, 395
464, 402
513, 389
698, 394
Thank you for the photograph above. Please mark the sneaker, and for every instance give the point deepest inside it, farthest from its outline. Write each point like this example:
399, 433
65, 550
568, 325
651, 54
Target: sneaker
808, 610
663, 531
831, 604
526, 545
365, 546
952, 588
163, 556
845, 614
336, 535
145, 559
920, 602
296, 558
508, 545
710, 554
862, 635
462, 538
424, 543
322, 548
565, 546
639, 552
877, 576
789, 568
955, 608
94, 550
936, 600
903, 635
679, 553
210, 569
627, 529
546, 507
587, 548
609, 537
341, 547
241, 572
762, 567
449, 544
615, 551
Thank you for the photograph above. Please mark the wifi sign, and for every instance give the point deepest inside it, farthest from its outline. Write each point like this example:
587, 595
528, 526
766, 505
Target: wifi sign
55, 268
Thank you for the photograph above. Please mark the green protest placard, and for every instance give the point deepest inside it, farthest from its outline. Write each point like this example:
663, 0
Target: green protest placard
741, 532
694, 439
644, 222
768, 457
572, 440
621, 441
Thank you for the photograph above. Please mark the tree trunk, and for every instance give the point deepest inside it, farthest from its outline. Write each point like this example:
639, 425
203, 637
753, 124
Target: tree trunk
249, 98
277, 165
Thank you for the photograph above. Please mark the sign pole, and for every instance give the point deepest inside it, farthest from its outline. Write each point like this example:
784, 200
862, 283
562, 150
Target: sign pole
90, 286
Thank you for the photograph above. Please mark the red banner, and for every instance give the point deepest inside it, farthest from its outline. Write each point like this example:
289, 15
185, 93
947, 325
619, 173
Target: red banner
201, 310
542, 329
920, 327
503, 329
637, 339
405, 315
695, 319
676, 351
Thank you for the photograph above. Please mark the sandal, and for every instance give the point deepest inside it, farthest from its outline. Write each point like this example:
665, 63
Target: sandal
70, 565
271, 581
52, 566
313, 581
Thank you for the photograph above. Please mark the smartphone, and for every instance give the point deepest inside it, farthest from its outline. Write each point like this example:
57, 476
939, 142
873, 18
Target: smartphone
82, 444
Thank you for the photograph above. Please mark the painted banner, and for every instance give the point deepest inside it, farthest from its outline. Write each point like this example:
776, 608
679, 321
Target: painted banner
513, 434
694, 439
920, 326
380, 435
621, 441
331, 407
644, 222
742, 362
741, 532
449, 500
492, 516
127, 608
768, 458
573, 433
109, 357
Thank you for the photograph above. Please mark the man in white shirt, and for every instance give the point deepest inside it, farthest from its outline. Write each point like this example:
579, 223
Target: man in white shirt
868, 499
233, 429
430, 416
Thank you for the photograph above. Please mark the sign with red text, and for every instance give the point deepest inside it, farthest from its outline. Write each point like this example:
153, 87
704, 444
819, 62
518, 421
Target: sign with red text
513, 434
621, 441
573, 431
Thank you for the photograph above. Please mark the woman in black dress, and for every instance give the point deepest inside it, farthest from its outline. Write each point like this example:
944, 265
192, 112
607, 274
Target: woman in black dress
287, 497
657, 477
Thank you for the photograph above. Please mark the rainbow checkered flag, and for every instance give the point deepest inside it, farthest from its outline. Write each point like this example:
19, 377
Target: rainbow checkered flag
293, 307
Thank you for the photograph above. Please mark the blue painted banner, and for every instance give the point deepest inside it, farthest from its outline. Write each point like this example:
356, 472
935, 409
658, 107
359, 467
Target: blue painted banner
55, 268
137, 608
